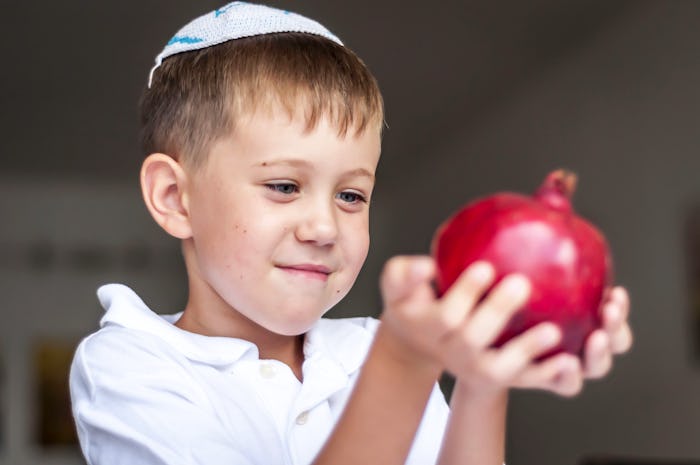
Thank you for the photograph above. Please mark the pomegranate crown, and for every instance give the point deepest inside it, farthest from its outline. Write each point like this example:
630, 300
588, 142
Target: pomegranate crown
557, 189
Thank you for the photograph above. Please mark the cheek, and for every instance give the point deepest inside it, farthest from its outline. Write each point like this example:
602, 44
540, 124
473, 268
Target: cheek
219, 221
221, 239
231, 260
358, 245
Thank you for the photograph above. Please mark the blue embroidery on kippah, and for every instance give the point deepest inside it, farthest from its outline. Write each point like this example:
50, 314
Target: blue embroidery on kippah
184, 40
224, 9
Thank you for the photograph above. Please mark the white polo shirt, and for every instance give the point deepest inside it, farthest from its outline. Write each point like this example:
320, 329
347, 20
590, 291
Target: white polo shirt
146, 392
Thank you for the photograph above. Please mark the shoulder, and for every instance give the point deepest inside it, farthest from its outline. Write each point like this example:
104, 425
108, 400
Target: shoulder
116, 345
137, 399
117, 357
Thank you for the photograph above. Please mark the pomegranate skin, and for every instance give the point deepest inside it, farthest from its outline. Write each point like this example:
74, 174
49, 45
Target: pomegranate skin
566, 259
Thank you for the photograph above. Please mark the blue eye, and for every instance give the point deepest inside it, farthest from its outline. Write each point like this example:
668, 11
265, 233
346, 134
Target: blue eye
283, 188
351, 197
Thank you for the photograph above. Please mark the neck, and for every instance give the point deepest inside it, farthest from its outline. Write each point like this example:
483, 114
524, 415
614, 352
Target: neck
289, 351
271, 346
208, 314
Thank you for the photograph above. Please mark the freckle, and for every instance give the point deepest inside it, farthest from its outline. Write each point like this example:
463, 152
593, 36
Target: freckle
264, 163
337, 291
240, 276
245, 231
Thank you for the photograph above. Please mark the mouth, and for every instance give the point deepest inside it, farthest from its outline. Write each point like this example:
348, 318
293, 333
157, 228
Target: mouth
307, 270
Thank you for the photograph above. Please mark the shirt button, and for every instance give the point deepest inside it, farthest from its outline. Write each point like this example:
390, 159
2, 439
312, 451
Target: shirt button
267, 371
302, 418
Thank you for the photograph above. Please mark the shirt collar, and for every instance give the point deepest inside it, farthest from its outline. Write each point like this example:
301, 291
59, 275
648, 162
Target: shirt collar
125, 308
346, 342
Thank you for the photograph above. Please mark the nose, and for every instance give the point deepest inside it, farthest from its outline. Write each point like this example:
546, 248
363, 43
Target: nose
319, 224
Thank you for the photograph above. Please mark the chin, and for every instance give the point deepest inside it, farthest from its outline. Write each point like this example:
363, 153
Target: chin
287, 329
292, 324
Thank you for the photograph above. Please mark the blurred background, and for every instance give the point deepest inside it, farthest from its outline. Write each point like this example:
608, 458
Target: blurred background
481, 96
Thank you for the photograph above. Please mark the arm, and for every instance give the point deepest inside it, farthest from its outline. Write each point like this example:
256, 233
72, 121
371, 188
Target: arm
395, 381
381, 418
476, 430
408, 355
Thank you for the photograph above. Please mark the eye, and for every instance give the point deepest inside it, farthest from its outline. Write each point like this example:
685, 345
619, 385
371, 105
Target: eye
351, 197
286, 188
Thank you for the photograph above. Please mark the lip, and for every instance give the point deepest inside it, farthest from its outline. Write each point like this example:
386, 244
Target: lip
307, 270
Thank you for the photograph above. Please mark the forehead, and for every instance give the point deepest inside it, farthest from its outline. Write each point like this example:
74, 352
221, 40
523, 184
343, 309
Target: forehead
277, 138
280, 124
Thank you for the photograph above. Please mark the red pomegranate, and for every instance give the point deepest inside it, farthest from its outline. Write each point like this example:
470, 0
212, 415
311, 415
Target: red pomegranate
566, 258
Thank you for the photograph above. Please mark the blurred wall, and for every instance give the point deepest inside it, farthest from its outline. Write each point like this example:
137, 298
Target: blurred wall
622, 110
59, 241
481, 96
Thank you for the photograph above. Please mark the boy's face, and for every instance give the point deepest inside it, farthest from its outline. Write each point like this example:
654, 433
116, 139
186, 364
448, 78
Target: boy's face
280, 220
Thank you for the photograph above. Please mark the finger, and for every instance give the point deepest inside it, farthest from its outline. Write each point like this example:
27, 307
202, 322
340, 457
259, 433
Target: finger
597, 355
560, 374
403, 275
462, 296
521, 351
622, 340
492, 315
615, 310
620, 295
568, 382
615, 316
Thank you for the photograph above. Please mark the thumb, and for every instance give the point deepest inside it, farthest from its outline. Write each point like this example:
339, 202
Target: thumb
407, 276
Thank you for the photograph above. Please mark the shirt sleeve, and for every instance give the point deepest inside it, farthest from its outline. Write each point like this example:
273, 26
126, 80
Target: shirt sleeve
132, 406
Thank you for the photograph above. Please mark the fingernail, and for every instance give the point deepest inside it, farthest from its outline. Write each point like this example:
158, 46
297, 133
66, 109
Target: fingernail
550, 335
567, 364
618, 292
517, 284
481, 271
613, 313
421, 268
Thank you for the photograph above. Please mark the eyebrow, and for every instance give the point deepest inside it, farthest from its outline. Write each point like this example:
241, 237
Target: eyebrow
298, 163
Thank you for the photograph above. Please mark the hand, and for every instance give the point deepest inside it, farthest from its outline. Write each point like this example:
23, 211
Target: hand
615, 336
458, 330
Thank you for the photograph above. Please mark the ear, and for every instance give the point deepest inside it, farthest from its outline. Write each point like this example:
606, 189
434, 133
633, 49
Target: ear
164, 189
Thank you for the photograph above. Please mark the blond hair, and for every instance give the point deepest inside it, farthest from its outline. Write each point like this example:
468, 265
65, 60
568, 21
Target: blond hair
197, 97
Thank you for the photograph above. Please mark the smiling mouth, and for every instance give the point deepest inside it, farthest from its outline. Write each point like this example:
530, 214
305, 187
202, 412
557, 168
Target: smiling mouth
316, 272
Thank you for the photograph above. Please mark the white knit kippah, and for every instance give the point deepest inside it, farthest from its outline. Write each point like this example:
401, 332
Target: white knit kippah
234, 21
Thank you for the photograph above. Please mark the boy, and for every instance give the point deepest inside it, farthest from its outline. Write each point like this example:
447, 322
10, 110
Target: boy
262, 133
